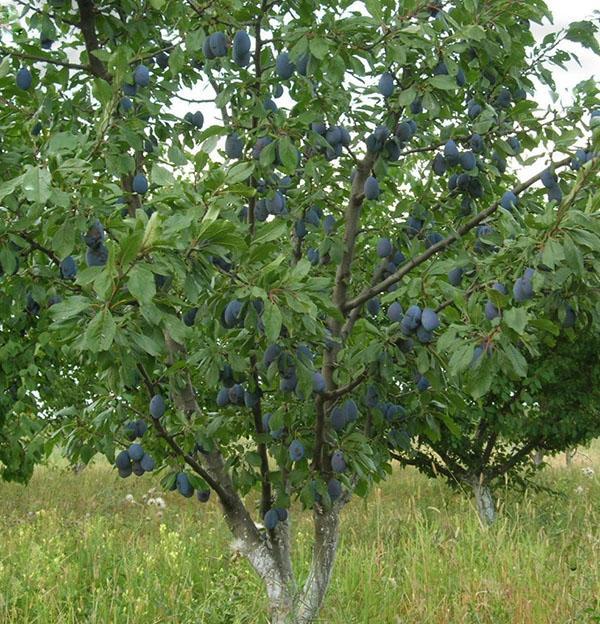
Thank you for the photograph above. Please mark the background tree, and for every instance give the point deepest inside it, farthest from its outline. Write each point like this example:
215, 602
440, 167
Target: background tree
556, 407
221, 287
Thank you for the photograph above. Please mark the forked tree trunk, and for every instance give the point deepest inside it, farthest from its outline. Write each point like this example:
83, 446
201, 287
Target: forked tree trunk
270, 554
484, 501
271, 561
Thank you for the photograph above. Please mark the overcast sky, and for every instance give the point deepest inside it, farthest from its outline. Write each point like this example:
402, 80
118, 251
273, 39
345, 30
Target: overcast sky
565, 12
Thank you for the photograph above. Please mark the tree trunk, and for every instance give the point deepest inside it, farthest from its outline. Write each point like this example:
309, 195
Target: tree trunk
538, 457
484, 501
326, 528
280, 593
269, 553
569, 454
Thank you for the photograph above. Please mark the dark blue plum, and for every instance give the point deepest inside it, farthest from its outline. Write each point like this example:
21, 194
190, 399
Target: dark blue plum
296, 450
218, 44
386, 84
429, 319
451, 153
123, 461
338, 463
374, 306
141, 76
24, 79
371, 188
455, 276
231, 314
395, 312
271, 519
68, 268
96, 256
140, 183
184, 487
157, 406
284, 66
136, 452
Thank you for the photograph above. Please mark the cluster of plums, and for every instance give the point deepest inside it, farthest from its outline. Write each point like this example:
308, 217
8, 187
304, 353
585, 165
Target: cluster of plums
134, 459
233, 393
184, 486
273, 516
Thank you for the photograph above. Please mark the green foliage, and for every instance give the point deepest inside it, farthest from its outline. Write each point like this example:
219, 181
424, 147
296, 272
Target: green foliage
161, 222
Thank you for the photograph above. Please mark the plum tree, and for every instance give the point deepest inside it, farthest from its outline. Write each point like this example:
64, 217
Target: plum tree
553, 409
259, 234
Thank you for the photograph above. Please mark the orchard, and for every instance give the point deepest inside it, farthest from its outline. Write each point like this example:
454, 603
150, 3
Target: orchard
363, 242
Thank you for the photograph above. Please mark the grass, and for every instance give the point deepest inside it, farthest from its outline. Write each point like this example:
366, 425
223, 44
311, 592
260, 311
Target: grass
74, 550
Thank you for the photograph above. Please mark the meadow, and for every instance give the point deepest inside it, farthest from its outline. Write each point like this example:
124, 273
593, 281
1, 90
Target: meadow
76, 548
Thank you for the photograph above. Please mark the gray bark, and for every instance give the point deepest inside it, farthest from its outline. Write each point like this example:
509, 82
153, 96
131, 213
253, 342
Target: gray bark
569, 455
326, 528
538, 457
286, 604
279, 593
484, 501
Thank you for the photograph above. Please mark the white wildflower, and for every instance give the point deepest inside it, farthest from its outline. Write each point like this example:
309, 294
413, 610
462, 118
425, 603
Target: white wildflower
129, 498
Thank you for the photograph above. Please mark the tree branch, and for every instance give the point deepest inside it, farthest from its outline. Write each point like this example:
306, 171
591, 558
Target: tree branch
44, 59
498, 471
87, 13
341, 391
406, 268
266, 497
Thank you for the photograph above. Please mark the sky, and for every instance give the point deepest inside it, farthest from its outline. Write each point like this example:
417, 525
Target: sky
565, 12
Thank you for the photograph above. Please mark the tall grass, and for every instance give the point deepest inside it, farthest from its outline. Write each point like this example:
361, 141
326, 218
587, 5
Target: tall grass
74, 550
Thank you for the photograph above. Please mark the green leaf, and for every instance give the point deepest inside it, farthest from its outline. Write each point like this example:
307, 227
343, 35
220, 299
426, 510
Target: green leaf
474, 32
374, 8
461, 357
8, 260
161, 176
176, 156
552, 254
239, 172
573, 255
516, 359
319, 47
36, 184
100, 332
288, 154
516, 318
584, 33
141, 284
9, 187
272, 321
148, 344
445, 83
68, 308
4, 66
